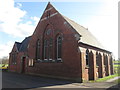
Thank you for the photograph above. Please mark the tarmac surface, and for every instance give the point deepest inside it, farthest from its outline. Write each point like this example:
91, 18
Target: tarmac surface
16, 80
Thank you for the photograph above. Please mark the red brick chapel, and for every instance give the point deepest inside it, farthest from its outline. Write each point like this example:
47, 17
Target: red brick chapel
61, 48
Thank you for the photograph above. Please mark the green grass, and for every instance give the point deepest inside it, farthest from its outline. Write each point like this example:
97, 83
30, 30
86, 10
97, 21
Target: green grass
117, 81
116, 65
106, 78
117, 61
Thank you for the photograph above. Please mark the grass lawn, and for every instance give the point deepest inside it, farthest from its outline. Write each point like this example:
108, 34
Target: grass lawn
117, 61
116, 65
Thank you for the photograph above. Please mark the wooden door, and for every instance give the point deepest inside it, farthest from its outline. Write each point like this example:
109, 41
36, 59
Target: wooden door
23, 65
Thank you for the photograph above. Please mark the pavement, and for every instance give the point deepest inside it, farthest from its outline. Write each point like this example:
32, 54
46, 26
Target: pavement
15, 80
104, 85
113, 79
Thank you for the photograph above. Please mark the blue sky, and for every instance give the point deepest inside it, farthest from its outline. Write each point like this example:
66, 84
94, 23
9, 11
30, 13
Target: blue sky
82, 10
19, 19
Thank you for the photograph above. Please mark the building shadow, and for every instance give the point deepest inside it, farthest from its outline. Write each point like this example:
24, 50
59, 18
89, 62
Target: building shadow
23, 81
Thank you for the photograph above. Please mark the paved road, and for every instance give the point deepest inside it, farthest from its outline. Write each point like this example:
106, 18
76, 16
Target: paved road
15, 80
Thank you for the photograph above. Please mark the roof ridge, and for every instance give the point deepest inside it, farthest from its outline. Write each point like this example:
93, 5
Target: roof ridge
17, 42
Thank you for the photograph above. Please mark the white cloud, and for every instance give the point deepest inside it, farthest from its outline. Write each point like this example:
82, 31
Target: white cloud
6, 48
105, 26
11, 18
19, 5
11, 23
36, 19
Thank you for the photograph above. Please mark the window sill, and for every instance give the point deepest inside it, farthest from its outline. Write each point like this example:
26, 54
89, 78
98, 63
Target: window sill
46, 61
37, 61
97, 66
13, 63
59, 61
49, 61
86, 67
104, 66
30, 66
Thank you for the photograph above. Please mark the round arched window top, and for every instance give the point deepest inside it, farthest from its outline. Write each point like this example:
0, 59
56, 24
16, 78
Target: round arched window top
38, 42
48, 32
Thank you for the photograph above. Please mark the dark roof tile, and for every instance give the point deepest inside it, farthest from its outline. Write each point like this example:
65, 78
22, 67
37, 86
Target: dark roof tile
18, 44
24, 44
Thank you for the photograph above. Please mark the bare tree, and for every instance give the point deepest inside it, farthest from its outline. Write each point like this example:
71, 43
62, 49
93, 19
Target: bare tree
4, 60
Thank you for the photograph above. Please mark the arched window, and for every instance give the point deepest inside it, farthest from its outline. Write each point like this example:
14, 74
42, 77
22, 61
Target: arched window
50, 49
14, 57
48, 44
97, 59
38, 50
59, 47
45, 50
87, 57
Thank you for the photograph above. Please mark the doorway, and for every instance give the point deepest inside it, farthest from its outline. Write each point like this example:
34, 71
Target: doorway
23, 64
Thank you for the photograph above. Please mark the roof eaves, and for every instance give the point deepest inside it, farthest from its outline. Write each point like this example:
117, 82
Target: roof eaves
94, 47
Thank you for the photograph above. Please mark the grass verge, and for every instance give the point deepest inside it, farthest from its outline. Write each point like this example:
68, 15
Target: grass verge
117, 81
106, 78
116, 65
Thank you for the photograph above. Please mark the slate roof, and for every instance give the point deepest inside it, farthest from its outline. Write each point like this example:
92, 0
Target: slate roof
18, 44
86, 35
22, 47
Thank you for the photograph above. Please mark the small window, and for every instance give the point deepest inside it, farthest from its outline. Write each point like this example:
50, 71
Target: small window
48, 14
30, 63
12, 58
87, 57
48, 32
